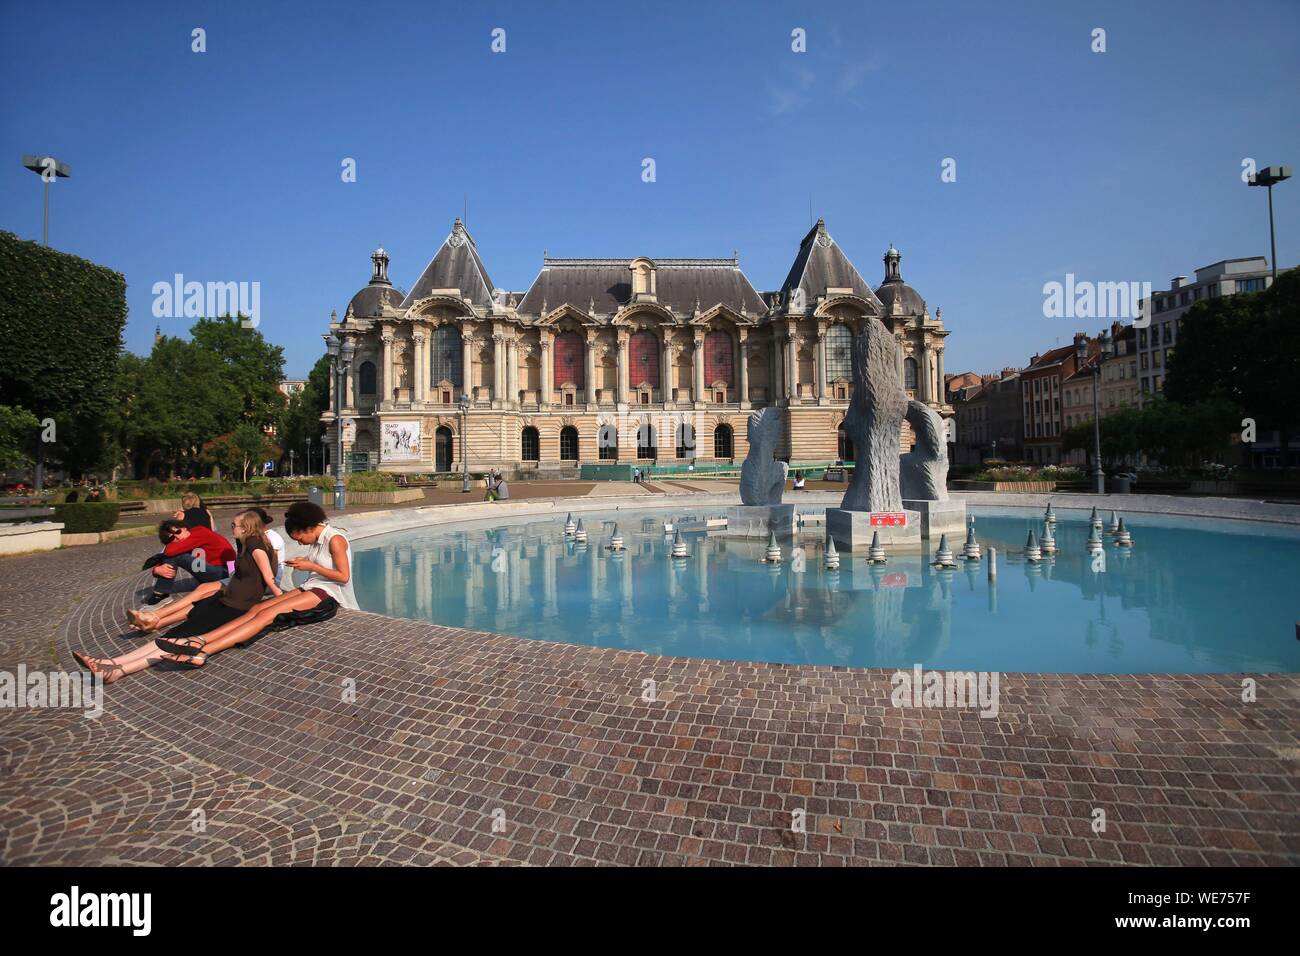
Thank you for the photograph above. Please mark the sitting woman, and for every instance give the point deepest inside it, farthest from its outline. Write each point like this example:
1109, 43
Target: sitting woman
328, 564
206, 608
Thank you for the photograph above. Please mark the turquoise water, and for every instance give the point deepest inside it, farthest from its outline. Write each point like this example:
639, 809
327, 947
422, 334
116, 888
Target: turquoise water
1192, 596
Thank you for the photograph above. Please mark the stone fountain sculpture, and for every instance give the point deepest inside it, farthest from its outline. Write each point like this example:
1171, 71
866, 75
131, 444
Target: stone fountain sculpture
923, 474
875, 420
900, 498
762, 477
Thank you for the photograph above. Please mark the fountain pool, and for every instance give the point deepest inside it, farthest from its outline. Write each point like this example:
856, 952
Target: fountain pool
1192, 595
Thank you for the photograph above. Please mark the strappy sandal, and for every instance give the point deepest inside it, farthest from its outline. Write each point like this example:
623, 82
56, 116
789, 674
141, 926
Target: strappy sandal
188, 651
109, 673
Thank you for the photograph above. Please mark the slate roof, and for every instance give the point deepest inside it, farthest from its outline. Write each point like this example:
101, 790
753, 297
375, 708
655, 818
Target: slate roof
456, 265
822, 265
679, 285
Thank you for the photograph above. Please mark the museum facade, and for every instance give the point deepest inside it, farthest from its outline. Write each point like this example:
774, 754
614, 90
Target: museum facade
605, 361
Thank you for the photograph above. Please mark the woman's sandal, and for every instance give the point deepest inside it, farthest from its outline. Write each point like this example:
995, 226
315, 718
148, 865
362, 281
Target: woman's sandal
109, 673
187, 651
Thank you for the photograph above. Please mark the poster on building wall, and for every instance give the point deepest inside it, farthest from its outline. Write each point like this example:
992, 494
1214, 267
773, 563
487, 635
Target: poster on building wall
401, 441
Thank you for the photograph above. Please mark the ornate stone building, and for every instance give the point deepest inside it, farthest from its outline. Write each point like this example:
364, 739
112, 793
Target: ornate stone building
616, 360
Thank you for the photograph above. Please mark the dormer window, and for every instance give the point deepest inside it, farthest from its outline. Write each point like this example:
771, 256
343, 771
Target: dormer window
643, 280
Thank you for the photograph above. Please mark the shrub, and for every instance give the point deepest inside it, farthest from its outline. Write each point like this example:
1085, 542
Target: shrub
371, 481
87, 517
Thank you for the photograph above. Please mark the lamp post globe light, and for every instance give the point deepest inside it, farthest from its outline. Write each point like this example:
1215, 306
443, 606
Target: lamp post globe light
1081, 355
49, 169
464, 428
1269, 176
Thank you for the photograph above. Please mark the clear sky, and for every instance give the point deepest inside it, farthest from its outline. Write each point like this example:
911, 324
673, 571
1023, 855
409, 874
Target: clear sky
225, 165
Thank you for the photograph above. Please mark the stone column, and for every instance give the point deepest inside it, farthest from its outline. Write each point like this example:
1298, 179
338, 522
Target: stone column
791, 363
512, 371
544, 338
923, 372
386, 396
466, 362
418, 339
820, 358
498, 368
590, 355
938, 360
666, 369
622, 368
742, 352
778, 365
697, 368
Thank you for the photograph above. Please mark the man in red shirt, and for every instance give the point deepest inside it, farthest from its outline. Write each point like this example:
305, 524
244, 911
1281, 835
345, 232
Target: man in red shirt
200, 551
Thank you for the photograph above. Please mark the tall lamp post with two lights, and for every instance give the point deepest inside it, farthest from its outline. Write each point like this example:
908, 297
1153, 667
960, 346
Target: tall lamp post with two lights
340, 364
1270, 176
1081, 357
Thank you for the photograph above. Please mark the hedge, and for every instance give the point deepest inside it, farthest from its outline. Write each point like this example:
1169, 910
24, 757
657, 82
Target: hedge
87, 517
61, 322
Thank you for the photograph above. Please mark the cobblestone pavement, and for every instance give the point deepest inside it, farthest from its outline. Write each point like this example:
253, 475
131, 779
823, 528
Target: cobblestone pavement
462, 747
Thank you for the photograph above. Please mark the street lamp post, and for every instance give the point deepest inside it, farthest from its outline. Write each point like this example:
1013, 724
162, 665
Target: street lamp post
464, 429
1081, 354
1268, 176
49, 169
341, 362
308, 456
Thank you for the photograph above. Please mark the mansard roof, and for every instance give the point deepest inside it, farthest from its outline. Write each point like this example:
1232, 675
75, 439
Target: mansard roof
822, 265
456, 265
680, 285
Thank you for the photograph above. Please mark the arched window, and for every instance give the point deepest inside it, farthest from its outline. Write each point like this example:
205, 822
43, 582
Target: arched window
607, 443
531, 449
645, 442
845, 446
685, 440
570, 360
445, 356
839, 352
719, 359
643, 359
568, 443
722, 446
909, 373
366, 376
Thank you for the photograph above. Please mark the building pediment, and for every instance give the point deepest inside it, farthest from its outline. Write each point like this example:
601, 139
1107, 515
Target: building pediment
566, 311
634, 315
723, 312
427, 306
855, 302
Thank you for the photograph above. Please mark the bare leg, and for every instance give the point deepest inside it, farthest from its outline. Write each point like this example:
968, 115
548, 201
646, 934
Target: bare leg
173, 613
115, 668
245, 627
275, 605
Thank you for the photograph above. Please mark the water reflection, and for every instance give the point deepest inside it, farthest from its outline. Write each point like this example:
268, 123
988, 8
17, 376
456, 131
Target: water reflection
1152, 609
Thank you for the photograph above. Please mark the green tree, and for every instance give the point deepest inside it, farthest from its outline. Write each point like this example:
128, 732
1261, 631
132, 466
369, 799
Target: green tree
17, 425
301, 418
241, 450
61, 321
1243, 349
253, 367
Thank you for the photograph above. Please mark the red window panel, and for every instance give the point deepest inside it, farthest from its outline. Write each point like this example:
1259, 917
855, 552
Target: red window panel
643, 359
718, 359
570, 360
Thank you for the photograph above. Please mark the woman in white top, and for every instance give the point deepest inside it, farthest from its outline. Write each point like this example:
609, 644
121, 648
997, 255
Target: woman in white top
328, 564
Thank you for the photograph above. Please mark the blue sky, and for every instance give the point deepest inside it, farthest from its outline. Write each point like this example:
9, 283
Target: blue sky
225, 166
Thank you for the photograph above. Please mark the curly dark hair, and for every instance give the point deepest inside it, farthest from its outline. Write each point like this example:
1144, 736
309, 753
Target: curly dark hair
303, 515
